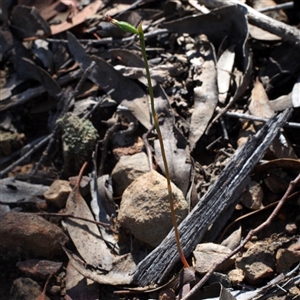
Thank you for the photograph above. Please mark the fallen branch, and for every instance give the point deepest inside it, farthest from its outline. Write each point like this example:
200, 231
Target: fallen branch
212, 207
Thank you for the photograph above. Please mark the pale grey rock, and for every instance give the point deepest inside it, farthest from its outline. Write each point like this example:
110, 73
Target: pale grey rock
207, 254
127, 169
145, 208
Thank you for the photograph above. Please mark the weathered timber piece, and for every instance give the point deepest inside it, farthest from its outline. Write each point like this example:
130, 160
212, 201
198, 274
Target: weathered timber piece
286, 32
221, 195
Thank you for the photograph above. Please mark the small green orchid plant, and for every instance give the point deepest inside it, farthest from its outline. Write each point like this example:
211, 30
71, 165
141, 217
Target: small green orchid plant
126, 27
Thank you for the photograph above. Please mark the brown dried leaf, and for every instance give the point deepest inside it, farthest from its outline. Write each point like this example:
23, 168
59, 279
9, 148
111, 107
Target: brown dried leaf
28, 22
85, 235
78, 287
174, 143
233, 240
180, 285
281, 103
224, 69
205, 94
27, 69
262, 35
47, 8
118, 275
216, 291
292, 165
37, 268
259, 105
77, 19
106, 77
127, 58
296, 93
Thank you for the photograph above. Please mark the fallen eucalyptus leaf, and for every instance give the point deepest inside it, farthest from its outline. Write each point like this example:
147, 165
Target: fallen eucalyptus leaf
174, 143
296, 93
205, 94
224, 69
106, 77
85, 235
118, 275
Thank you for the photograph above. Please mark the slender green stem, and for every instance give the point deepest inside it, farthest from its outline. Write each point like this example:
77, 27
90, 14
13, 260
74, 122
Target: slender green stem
161, 142
129, 28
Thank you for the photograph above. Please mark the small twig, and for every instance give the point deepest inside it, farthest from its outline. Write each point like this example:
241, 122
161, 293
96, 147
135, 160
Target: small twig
46, 152
251, 214
225, 133
24, 149
286, 5
105, 142
211, 145
253, 232
80, 83
110, 40
24, 157
61, 215
148, 148
31, 93
132, 6
100, 101
254, 118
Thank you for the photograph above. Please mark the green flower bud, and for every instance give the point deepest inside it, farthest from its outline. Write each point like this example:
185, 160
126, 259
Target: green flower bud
126, 27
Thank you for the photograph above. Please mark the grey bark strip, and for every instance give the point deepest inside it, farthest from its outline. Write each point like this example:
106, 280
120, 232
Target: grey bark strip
221, 195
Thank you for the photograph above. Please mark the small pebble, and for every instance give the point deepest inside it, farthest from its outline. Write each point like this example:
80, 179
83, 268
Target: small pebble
291, 228
55, 290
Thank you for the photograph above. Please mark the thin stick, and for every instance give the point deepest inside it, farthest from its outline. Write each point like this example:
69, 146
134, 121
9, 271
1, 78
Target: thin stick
61, 215
24, 157
253, 232
147, 146
243, 217
254, 118
286, 5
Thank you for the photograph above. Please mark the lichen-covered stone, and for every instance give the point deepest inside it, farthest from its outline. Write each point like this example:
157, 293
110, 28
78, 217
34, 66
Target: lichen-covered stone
79, 138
